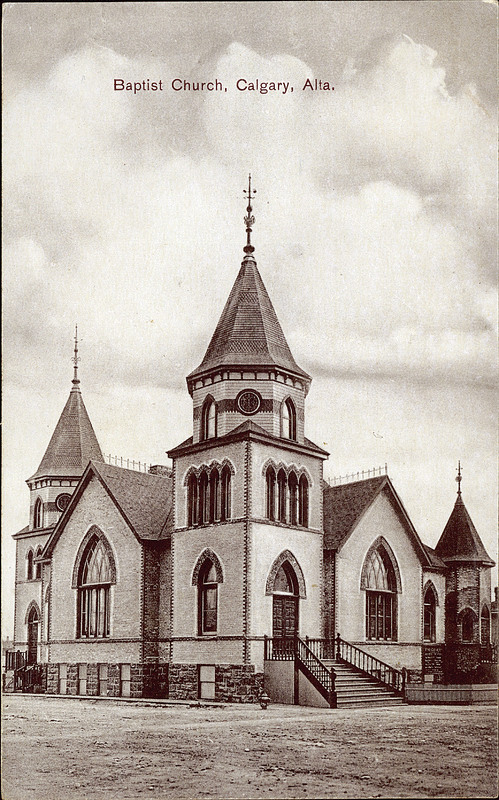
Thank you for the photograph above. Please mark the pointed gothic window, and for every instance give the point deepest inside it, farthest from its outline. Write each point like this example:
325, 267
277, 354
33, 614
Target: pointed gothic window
270, 487
38, 514
281, 495
429, 615
204, 509
38, 566
288, 419
214, 496
380, 581
207, 599
192, 501
303, 502
209, 419
29, 565
293, 498
225, 498
485, 626
94, 583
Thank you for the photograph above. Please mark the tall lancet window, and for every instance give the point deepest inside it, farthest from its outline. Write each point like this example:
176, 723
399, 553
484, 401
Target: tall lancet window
288, 419
209, 419
95, 578
38, 514
380, 582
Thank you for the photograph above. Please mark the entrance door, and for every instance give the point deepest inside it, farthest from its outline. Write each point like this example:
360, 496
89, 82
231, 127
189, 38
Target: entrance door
285, 607
33, 622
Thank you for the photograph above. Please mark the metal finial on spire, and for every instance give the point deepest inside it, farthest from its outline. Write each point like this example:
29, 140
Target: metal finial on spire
75, 359
249, 218
459, 479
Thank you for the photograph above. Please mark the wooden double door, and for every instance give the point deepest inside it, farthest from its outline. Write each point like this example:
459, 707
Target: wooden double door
285, 616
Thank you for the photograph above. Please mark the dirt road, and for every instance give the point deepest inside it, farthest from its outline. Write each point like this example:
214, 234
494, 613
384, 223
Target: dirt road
57, 749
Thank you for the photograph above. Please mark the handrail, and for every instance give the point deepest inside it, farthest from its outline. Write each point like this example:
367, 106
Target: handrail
369, 664
15, 659
27, 676
293, 648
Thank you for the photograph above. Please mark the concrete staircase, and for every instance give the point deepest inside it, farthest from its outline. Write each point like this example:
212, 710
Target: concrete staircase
356, 689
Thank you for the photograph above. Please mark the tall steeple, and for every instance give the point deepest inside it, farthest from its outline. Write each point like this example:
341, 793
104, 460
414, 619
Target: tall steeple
73, 442
460, 541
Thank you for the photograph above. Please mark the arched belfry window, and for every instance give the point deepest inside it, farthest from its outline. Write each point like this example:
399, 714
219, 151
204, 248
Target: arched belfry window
381, 581
192, 501
270, 493
288, 419
95, 576
281, 495
209, 419
209, 493
293, 498
429, 614
225, 494
38, 514
485, 626
303, 501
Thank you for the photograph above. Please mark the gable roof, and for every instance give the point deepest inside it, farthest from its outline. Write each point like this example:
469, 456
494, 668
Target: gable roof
73, 443
460, 540
345, 505
144, 501
248, 332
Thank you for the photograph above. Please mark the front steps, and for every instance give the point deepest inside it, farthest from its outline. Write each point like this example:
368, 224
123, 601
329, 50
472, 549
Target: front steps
355, 689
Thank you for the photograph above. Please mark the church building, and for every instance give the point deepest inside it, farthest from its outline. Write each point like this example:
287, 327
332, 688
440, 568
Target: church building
238, 572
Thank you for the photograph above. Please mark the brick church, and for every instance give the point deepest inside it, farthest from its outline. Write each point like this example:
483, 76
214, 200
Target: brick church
238, 572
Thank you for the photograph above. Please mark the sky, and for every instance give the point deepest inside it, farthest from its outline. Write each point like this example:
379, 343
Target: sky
375, 232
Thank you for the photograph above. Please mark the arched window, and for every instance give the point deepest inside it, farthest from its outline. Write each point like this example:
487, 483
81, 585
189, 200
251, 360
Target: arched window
209, 419
380, 581
214, 496
207, 598
192, 501
303, 502
38, 514
293, 498
281, 495
38, 566
485, 626
270, 487
285, 602
203, 514
288, 419
94, 581
429, 615
29, 565
225, 498
467, 620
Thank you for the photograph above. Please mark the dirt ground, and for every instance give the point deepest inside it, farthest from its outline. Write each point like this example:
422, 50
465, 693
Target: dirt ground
65, 749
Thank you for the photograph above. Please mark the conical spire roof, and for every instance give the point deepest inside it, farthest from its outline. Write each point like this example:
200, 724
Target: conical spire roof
73, 443
460, 540
248, 332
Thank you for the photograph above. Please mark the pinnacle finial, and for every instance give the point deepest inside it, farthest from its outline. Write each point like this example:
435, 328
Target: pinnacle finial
75, 359
249, 218
458, 479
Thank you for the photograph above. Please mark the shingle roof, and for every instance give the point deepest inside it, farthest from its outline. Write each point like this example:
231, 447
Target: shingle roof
460, 540
144, 499
343, 506
248, 332
73, 443
434, 559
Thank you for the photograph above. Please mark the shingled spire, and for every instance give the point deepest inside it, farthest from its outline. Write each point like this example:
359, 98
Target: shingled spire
73, 443
460, 540
248, 332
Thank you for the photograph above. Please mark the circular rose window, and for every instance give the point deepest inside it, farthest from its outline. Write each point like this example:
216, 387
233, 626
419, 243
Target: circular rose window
62, 501
248, 401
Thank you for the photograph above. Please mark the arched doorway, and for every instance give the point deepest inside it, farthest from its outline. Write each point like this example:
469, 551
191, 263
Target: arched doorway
33, 624
285, 602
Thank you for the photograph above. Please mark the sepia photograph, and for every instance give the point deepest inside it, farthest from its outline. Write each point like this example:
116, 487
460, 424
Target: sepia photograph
249, 451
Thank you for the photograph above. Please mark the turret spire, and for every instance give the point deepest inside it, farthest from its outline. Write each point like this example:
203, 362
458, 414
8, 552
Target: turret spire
459, 479
75, 360
249, 218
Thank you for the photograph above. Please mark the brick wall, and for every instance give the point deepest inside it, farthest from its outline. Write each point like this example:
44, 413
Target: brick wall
329, 594
150, 608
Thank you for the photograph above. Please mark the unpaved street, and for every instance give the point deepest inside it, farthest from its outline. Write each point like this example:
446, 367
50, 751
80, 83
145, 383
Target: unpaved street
58, 749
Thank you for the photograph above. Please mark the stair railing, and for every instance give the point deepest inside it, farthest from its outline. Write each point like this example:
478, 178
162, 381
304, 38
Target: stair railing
293, 648
370, 665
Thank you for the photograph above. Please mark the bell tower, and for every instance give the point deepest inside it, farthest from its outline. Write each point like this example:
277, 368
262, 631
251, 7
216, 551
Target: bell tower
247, 543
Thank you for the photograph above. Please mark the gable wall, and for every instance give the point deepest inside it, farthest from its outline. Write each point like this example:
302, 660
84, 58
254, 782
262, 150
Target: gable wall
379, 520
96, 508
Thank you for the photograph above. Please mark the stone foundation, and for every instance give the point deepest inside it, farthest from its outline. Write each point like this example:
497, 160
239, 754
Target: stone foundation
234, 683
107, 680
